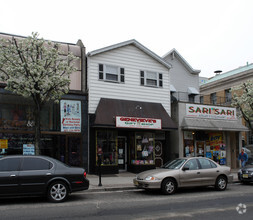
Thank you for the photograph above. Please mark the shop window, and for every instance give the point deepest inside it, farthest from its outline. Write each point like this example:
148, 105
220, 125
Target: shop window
144, 149
17, 113
106, 142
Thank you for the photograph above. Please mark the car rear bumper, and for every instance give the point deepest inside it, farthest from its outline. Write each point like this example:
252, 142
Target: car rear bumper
79, 186
142, 184
230, 178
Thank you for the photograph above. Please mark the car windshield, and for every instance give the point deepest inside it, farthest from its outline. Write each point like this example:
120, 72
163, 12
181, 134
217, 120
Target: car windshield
174, 164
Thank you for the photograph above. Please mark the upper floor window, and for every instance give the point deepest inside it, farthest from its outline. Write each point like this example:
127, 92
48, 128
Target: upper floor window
228, 95
213, 98
191, 98
111, 73
201, 100
151, 79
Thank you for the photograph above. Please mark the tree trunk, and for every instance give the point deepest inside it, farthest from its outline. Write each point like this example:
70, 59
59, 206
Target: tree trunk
37, 130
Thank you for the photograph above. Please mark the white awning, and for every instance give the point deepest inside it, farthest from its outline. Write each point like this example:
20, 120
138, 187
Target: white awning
192, 90
212, 124
172, 88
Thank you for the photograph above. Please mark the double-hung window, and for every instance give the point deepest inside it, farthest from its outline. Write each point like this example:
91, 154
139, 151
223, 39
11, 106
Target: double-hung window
111, 73
148, 78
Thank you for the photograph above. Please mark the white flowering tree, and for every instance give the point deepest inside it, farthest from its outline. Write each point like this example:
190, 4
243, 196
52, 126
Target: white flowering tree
34, 68
242, 98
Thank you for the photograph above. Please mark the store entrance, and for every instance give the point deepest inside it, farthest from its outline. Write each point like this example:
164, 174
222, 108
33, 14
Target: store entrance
122, 153
70, 150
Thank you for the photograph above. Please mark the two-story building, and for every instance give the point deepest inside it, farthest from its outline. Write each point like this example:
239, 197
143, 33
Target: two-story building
206, 129
59, 139
129, 108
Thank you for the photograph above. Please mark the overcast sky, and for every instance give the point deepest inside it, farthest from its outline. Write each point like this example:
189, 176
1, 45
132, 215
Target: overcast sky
210, 34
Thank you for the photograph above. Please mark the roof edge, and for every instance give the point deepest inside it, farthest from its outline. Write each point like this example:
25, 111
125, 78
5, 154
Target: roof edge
184, 62
135, 43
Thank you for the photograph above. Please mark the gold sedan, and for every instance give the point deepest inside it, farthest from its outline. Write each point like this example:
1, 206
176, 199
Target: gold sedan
185, 172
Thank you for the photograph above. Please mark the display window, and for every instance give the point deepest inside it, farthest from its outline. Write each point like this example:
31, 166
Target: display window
18, 114
207, 144
216, 148
144, 149
106, 142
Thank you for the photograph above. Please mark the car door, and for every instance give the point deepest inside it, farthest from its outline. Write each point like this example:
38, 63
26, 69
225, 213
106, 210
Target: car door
190, 173
208, 172
9, 180
34, 174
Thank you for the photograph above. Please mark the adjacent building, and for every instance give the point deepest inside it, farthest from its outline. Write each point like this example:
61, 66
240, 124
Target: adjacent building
204, 129
59, 139
217, 90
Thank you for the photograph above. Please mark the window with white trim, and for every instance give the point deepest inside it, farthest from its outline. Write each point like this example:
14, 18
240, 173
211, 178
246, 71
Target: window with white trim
111, 73
148, 78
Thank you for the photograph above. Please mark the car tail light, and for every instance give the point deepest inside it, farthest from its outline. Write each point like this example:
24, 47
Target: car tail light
84, 174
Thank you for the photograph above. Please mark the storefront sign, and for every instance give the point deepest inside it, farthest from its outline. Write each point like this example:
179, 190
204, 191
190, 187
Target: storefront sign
213, 112
134, 122
28, 149
70, 116
3, 143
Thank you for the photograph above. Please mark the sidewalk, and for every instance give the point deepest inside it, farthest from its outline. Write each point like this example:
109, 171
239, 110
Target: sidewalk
121, 181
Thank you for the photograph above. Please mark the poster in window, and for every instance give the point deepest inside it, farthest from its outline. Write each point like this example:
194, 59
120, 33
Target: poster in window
70, 116
28, 149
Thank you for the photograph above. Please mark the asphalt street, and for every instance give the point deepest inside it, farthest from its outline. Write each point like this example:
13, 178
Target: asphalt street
204, 203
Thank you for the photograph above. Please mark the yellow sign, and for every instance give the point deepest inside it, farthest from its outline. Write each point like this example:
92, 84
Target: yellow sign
3, 143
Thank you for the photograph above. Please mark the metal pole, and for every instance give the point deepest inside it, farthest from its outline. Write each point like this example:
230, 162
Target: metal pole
99, 170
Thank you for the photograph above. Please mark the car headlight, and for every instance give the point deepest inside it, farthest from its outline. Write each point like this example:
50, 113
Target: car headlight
150, 178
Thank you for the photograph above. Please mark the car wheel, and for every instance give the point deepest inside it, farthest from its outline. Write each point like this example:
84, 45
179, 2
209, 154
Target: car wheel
221, 183
57, 192
169, 186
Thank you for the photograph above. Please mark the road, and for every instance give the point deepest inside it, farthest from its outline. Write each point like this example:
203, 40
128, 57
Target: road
204, 203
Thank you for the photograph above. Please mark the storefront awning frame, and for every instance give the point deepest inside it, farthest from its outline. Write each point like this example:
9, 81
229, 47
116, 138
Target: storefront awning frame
212, 124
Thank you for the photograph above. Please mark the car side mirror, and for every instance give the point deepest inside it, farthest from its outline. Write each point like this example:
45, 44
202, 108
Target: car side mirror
185, 168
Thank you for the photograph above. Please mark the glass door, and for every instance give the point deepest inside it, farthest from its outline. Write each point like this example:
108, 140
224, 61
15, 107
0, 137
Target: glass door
122, 155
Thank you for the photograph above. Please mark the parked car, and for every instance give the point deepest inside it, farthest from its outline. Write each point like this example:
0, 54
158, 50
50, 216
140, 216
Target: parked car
245, 174
185, 172
40, 175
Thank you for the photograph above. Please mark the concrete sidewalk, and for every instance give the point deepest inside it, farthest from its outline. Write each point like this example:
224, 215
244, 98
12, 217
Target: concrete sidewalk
121, 181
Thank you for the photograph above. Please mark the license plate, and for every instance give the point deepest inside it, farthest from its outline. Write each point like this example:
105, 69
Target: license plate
245, 176
136, 183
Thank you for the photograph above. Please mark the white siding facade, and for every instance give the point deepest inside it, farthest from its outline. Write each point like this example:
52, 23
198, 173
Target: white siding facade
133, 60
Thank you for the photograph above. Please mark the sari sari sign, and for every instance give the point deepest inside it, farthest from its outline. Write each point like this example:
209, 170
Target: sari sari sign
136, 122
212, 112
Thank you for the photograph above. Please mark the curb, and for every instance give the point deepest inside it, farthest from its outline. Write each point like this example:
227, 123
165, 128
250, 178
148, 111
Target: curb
125, 188
106, 189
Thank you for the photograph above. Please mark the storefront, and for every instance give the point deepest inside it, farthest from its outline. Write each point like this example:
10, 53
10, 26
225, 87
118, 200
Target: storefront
211, 131
129, 136
63, 125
